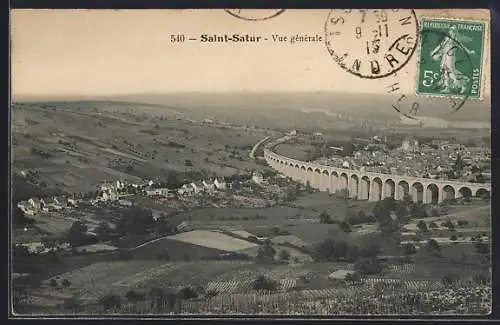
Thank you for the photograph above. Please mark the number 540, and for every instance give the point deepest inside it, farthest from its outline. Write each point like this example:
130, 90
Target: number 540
429, 78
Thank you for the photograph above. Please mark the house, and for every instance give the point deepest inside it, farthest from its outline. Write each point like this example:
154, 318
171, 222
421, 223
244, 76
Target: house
72, 202
26, 207
257, 177
61, 200
209, 185
35, 203
120, 185
49, 204
220, 184
198, 187
109, 195
186, 189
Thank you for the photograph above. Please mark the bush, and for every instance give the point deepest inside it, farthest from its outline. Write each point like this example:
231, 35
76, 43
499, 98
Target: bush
284, 255
409, 249
454, 237
433, 225
422, 226
72, 303
263, 283
110, 301
450, 280
368, 266
345, 227
462, 222
187, 293
433, 245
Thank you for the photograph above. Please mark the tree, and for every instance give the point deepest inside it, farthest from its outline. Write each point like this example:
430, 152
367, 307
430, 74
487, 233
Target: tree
135, 220
368, 266
110, 301
53, 282
482, 248
409, 249
324, 217
450, 280
66, 283
76, 234
187, 293
448, 224
432, 245
158, 298
284, 255
371, 251
72, 304
163, 226
103, 231
135, 296
345, 227
422, 226
172, 181
266, 253
433, 225
454, 237
263, 283
480, 279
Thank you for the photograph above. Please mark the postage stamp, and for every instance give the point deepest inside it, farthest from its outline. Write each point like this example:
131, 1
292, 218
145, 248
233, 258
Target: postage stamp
451, 58
255, 14
371, 43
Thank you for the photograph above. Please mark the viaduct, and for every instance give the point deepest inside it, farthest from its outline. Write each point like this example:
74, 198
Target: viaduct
373, 186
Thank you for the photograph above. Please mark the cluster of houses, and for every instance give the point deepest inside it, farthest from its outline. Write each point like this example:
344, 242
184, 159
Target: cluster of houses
118, 190
56, 203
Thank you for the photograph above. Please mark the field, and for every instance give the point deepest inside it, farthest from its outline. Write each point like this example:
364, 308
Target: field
75, 145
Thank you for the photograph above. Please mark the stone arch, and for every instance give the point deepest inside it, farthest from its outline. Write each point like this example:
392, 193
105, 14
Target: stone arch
325, 181
417, 192
403, 190
432, 194
334, 182
448, 193
310, 176
354, 186
483, 193
389, 189
465, 192
364, 188
317, 178
376, 189
344, 181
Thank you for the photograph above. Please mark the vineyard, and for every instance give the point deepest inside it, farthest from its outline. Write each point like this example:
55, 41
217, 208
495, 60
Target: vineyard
347, 301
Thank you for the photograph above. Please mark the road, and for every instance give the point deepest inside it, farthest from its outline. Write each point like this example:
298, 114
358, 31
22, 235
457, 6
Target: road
256, 146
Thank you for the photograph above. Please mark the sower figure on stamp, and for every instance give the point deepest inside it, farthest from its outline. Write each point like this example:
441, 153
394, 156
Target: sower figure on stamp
451, 79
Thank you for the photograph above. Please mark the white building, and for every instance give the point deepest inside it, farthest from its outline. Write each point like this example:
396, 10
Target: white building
221, 184
198, 187
186, 189
209, 185
257, 177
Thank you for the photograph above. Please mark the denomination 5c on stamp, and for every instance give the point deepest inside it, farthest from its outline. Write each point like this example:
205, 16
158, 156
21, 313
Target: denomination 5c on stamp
451, 58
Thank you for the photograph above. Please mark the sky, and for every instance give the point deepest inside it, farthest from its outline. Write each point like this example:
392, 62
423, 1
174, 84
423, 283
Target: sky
108, 52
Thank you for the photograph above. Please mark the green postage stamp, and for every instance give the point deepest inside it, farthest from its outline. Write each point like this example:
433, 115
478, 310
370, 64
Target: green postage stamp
451, 58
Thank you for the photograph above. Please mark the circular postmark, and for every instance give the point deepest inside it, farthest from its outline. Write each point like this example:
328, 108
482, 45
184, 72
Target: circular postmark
255, 14
371, 43
445, 74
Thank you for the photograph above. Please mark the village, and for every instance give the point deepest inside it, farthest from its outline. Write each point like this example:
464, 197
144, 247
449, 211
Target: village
249, 191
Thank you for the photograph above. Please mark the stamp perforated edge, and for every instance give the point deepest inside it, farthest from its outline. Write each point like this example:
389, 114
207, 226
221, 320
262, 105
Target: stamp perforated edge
484, 56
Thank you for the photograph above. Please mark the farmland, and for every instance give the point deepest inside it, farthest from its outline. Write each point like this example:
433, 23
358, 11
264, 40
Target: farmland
277, 231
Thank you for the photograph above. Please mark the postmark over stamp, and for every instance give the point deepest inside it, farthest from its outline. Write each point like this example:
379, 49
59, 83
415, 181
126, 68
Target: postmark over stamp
371, 43
451, 58
255, 14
